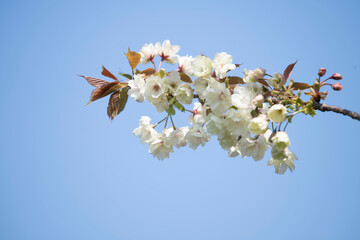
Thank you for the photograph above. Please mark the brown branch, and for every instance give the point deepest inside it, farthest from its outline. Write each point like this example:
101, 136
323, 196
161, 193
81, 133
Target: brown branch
323, 107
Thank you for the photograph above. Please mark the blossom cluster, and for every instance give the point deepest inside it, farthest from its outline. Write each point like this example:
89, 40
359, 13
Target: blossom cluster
233, 109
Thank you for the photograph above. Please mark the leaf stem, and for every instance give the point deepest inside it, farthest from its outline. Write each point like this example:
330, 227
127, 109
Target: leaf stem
172, 122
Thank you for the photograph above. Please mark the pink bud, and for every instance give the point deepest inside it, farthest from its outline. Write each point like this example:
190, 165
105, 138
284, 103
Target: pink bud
322, 72
336, 76
336, 86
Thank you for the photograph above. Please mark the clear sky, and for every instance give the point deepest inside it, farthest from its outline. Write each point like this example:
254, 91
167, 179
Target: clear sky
66, 172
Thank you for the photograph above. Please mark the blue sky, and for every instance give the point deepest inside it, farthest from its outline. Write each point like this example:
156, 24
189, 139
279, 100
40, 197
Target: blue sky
66, 172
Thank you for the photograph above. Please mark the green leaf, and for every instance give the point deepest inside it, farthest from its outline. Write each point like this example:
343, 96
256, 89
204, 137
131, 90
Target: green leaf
179, 106
128, 76
171, 110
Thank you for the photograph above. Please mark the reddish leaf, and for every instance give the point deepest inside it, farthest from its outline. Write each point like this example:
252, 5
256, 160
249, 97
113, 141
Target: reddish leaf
117, 103
95, 81
106, 73
185, 78
300, 86
148, 71
105, 90
133, 58
263, 82
233, 80
288, 71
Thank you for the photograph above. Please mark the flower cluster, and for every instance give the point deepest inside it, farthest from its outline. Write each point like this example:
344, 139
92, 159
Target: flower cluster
247, 115
236, 114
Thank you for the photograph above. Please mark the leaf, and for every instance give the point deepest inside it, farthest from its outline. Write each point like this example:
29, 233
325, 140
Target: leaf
148, 71
133, 58
128, 76
179, 106
162, 73
106, 73
288, 71
300, 86
117, 102
185, 78
105, 90
263, 82
171, 110
95, 81
310, 94
233, 80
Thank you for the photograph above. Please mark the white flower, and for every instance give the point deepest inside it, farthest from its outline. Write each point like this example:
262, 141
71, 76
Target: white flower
201, 66
277, 113
177, 137
199, 114
277, 80
196, 136
161, 104
252, 76
242, 98
222, 63
173, 81
281, 140
227, 141
137, 88
237, 121
160, 147
267, 136
215, 125
218, 97
145, 131
234, 151
255, 88
154, 88
253, 148
185, 64
201, 86
283, 161
184, 93
258, 125
167, 51
147, 52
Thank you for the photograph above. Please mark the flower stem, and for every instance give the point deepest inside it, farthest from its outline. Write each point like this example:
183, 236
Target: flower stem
161, 121
172, 122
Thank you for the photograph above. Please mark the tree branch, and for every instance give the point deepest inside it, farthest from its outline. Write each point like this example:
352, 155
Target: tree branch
323, 107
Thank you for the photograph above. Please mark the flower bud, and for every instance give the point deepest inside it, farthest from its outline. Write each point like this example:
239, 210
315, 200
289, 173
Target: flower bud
322, 72
281, 140
278, 154
336, 76
277, 113
336, 86
258, 101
